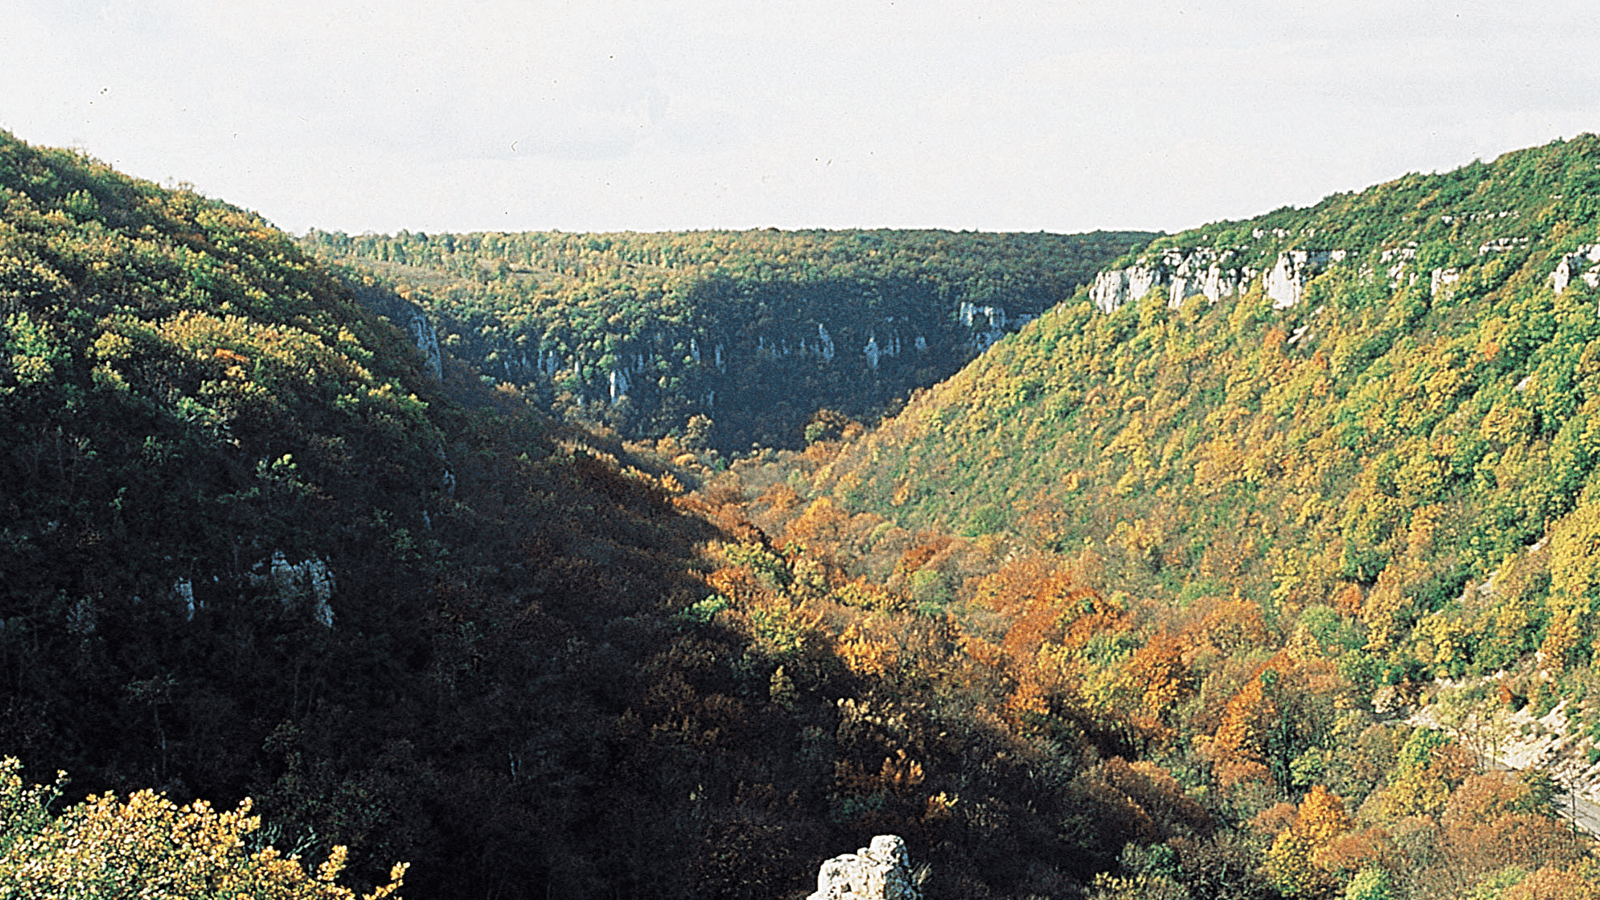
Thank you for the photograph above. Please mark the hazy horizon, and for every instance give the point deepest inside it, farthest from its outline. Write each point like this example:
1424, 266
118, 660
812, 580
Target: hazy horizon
623, 116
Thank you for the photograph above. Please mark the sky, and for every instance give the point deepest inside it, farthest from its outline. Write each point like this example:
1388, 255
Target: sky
611, 115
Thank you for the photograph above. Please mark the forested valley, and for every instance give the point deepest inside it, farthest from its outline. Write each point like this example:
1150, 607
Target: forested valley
1227, 576
748, 334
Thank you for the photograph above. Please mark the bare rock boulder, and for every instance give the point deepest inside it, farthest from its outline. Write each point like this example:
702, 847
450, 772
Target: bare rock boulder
881, 871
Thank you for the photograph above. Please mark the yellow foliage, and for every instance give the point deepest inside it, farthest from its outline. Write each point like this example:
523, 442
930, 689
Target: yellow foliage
940, 807
902, 493
1574, 585
149, 847
864, 655
1027, 700
900, 772
866, 595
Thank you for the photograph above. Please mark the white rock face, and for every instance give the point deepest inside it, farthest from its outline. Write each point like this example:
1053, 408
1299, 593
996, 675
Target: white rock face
1396, 259
1442, 279
1285, 285
1186, 273
183, 589
879, 872
310, 580
1115, 287
1203, 273
977, 317
1110, 290
427, 341
1501, 245
1577, 265
825, 342
994, 315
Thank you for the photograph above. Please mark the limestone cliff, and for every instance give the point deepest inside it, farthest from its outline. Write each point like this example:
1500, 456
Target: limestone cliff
1199, 271
1583, 264
409, 318
1285, 284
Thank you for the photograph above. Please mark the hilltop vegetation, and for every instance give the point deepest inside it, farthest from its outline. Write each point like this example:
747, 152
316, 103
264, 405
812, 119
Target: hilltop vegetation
251, 549
748, 334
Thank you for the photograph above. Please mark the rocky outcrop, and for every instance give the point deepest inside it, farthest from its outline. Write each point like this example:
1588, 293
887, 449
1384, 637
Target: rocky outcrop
986, 324
1501, 245
1213, 274
426, 340
1206, 274
183, 589
1115, 287
309, 581
881, 871
1285, 284
1441, 280
1396, 259
410, 318
1202, 271
1583, 264
872, 351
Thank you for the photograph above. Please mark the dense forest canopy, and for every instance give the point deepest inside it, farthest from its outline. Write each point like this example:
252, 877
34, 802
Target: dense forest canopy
1298, 474
749, 333
1148, 602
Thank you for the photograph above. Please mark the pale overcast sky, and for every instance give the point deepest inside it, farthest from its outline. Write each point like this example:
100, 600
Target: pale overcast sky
612, 115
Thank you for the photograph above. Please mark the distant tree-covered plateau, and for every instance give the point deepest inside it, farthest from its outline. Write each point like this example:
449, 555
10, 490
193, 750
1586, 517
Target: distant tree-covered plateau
747, 333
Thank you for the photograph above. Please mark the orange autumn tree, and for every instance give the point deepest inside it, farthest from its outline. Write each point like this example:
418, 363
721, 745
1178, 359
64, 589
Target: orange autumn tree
1158, 677
1239, 749
1048, 618
1493, 820
1298, 861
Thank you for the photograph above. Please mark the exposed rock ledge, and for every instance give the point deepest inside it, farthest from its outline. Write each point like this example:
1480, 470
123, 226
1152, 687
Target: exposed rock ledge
879, 872
1577, 265
1211, 273
1186, 273
1502, 738
1285, 285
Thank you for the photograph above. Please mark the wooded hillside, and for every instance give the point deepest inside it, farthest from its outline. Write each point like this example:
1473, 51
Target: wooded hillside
1360, 433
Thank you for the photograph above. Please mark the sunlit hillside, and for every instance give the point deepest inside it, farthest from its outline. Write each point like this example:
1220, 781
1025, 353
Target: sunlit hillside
1373, 405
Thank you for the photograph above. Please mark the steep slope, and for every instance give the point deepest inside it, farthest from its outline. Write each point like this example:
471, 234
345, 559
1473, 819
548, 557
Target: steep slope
1230, 516
250, 549
1374, 404
753, 332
